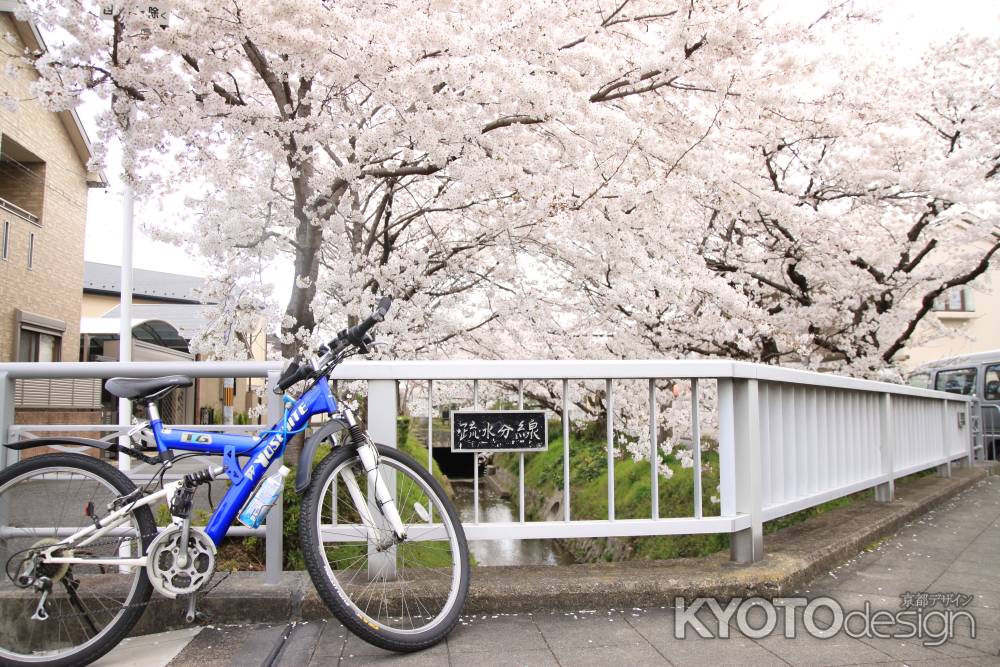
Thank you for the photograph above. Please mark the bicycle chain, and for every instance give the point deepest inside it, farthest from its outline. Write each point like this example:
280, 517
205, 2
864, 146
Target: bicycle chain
203, 591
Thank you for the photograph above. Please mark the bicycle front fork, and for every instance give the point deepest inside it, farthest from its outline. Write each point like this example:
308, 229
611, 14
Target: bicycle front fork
383, 495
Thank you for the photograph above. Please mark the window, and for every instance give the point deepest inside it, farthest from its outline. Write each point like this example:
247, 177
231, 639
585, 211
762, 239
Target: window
922, 380
6, 240
955, 300
38, 346
992, 392
31, 250
962, 381
39, 338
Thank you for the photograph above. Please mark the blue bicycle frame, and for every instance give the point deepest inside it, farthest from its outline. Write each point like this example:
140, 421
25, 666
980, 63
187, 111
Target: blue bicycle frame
261, 451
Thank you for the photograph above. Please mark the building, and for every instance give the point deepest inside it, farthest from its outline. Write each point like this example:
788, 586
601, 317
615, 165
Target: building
970, 318
167, 313
44, 183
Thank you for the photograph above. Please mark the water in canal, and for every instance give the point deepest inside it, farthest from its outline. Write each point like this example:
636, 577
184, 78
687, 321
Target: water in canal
493, 508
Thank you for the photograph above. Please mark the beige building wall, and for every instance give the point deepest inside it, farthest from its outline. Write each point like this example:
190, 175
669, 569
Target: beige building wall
96, 305
51, 288
977, 330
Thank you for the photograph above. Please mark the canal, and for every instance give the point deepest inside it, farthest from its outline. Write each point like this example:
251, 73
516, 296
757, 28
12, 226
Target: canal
493, 508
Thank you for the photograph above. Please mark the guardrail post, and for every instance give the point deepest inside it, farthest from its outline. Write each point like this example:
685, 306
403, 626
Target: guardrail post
944, 470
886, 491
740, 461
7, 456
382, 410
274, 528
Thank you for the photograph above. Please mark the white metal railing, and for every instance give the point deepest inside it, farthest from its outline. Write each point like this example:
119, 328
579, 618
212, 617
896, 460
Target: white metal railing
787, 439
14, 209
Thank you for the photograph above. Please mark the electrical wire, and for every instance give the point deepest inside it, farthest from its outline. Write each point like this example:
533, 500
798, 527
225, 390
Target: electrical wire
46, 184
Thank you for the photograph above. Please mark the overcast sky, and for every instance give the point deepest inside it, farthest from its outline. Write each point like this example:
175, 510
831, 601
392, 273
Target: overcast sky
909, 24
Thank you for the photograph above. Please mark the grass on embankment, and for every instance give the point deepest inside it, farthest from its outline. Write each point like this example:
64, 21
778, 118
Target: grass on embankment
633, 496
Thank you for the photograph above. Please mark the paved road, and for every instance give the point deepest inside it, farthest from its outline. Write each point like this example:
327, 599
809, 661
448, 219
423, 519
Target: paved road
954, 549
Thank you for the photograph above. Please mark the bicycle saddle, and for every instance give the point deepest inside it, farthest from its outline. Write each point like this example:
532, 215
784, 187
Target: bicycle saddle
146, 388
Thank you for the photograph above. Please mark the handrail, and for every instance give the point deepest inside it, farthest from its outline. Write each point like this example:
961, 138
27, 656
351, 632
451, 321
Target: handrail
476, 369
787, 439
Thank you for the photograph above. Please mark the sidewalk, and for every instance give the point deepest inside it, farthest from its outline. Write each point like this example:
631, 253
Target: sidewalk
793, 556
953, 548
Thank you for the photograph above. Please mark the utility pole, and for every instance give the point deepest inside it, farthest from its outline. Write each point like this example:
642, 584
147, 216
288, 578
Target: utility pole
112, 12
125, 313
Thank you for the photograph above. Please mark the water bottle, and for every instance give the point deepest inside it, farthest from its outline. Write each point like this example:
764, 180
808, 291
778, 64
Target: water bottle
254, 511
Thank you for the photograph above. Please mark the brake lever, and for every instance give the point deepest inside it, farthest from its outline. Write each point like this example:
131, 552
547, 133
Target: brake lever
366, 344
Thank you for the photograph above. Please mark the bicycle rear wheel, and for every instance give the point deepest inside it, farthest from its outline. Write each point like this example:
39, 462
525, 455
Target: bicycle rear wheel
89, 608
403, 598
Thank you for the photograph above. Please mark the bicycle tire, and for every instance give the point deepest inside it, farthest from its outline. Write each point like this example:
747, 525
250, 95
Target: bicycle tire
135, 602
332, 594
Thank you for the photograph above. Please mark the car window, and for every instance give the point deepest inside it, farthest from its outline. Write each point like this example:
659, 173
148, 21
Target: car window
992, 392
922, 380
962, 381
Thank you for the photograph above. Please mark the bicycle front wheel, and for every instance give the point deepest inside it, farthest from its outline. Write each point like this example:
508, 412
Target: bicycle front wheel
403, 597
87, 608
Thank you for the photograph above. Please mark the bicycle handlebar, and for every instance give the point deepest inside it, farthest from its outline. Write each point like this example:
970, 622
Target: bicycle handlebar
356, 336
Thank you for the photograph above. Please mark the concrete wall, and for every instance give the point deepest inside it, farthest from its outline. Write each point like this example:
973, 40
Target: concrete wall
52, 287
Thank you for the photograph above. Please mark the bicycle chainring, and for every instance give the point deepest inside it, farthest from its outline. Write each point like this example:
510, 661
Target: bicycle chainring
164, 568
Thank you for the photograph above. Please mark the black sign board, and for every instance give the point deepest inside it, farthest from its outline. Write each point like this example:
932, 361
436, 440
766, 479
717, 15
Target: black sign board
499, 431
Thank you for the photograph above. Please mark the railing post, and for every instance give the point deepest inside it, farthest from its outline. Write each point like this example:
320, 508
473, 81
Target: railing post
972, 434
886, 491
740, 461
274, 527
382, 410
565, 425
7, 456
609, 416
944, 470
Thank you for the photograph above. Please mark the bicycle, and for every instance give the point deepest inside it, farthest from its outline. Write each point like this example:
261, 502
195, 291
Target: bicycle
381, 540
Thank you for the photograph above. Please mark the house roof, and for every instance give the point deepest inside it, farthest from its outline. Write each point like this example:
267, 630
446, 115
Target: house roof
32, 38
168, 287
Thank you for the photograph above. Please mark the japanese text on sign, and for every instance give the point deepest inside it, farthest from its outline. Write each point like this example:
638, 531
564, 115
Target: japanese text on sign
499, 430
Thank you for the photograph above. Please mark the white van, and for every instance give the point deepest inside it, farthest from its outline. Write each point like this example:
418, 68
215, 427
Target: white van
976, 375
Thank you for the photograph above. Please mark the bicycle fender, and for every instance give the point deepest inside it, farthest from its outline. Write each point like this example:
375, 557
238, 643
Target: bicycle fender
62, 440
303, 474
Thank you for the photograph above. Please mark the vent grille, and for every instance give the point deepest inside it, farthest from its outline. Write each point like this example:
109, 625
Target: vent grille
59, 393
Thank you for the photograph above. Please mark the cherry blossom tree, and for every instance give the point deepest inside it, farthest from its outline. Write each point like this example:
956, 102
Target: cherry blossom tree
383, 148
824, 205
557, 179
